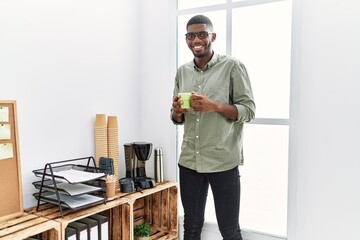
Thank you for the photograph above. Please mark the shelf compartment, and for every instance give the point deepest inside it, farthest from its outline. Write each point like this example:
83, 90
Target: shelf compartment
158, 207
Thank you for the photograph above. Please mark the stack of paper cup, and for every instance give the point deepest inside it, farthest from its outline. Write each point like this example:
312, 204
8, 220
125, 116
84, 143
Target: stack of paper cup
101, 139
113, 145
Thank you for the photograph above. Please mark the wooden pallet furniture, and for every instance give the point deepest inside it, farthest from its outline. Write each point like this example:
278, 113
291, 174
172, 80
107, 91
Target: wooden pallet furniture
29, 225
157, 206
116, 210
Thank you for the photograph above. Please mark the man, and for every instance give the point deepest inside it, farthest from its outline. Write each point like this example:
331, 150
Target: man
221, 101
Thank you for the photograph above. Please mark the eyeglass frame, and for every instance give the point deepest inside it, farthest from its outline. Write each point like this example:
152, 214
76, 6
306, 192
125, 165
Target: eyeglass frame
196, 34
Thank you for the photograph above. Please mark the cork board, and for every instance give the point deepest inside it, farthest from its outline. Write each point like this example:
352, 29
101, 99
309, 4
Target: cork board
10, 174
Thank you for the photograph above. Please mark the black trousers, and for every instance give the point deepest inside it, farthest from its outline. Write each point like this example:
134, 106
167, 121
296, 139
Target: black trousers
226, 191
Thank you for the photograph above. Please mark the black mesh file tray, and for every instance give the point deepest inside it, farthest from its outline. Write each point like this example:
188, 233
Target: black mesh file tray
70, 202
71, 173
66, 188
70, 183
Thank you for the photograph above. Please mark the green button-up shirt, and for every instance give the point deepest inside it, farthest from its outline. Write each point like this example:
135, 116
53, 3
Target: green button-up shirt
211, 142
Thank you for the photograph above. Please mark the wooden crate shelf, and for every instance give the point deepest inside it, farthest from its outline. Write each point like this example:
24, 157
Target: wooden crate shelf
114, 210
157, 206
29, 225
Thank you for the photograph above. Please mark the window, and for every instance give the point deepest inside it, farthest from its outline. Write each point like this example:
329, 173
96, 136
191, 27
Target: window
258, 33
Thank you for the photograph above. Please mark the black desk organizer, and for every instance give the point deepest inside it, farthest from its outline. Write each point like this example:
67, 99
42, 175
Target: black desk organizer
58, 187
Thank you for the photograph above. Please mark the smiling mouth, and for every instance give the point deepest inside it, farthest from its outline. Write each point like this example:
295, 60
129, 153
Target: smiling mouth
197, 47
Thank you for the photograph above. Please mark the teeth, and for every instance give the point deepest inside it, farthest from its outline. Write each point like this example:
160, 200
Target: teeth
197, 46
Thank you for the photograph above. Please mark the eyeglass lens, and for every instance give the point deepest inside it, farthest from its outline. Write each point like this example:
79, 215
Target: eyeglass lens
200, 35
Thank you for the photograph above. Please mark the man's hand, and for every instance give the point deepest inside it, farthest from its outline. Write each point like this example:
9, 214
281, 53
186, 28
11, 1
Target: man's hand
201, 103
178, 112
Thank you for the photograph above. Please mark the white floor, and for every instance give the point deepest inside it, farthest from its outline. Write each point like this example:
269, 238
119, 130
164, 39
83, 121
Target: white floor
211, 232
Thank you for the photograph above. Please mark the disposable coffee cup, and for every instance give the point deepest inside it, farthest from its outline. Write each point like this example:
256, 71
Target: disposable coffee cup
185, 99
110, 190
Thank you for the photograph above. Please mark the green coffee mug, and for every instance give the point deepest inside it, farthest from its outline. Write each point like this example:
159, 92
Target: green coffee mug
185, 99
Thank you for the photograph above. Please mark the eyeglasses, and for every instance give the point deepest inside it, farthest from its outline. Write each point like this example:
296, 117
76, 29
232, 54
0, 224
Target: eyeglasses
200, 35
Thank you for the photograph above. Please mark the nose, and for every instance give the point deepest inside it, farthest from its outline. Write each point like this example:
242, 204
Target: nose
196, 39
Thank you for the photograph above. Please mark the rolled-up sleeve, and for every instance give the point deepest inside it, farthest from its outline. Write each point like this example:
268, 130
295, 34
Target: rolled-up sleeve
242, 93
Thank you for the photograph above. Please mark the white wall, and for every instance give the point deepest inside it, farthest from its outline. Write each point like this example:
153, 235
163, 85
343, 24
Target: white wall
65, 61
324, 156
158, 67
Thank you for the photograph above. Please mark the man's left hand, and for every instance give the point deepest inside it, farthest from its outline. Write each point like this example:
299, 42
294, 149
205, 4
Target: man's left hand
201, 103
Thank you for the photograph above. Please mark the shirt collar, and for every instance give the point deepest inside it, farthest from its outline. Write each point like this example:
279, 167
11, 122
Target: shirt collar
209, 65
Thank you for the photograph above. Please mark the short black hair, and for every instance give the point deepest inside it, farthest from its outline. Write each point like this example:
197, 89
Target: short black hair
200, 19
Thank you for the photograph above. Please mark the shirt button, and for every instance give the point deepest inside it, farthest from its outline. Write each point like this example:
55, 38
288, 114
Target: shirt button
197, 152
197, 120
197, 136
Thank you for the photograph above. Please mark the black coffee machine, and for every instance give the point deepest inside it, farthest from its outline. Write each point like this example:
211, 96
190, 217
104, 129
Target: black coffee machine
136, 154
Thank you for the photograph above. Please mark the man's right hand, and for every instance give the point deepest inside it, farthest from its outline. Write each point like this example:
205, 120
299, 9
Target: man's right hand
178, 112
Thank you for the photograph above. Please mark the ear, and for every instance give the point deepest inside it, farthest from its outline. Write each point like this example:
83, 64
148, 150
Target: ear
213, 37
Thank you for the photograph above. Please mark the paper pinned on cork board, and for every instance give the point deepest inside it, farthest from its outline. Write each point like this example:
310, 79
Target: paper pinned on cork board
4, 114
6, 151
5, 132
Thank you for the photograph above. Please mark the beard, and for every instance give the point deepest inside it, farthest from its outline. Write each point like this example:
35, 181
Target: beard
200, 54
207, 51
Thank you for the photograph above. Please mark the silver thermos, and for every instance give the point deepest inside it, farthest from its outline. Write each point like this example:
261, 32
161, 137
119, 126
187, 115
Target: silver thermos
159, 168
